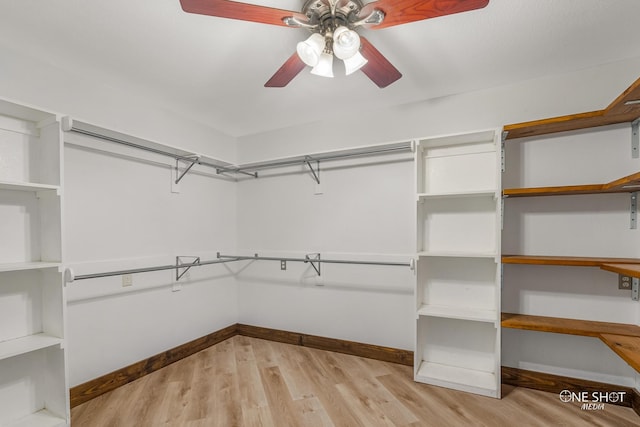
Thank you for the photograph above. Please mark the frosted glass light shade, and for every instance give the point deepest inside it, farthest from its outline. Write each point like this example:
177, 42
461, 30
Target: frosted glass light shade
324, 67
353, 64
346, 42
310, 50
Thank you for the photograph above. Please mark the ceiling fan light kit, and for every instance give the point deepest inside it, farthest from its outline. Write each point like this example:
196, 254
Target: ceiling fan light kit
333, 24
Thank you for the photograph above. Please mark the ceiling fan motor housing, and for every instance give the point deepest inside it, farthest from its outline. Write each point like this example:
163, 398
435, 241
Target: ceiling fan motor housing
330, 14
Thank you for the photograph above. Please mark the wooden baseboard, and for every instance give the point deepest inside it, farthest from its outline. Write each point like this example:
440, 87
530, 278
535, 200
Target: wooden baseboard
556, 383
94, 388
512, 376
386, 354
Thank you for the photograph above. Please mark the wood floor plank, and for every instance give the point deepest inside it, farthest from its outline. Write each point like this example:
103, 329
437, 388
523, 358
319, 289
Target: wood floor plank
257, 417
312, 413
367, 411
284, 412
365, 382
248, 382
340, 413
289, 362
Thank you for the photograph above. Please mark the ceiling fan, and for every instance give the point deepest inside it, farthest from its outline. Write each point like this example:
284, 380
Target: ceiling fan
333, 25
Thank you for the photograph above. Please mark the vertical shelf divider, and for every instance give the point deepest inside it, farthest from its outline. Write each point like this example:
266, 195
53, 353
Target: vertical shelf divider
458, 274
34, 387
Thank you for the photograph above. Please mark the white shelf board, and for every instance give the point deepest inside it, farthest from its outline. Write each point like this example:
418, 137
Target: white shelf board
454, 195
34, 265
457, 254
11, 109
464, 379
170, 149
464, 313
41, 418
27, 344
27, 186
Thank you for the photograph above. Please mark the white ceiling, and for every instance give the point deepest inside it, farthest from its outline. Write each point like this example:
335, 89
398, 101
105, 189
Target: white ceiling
214, 69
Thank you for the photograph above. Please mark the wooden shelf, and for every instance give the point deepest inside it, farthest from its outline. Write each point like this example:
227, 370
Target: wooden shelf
622, 338
625, 269
587, 328
616, 112
464, 313
568, 261
41, 418
627, 347
627, 184
626, 266
27, 344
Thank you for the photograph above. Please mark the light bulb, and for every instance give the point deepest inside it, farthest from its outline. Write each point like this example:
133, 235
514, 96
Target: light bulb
346, 42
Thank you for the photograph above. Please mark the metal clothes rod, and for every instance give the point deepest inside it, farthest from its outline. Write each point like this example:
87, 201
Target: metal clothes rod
242, 169
315, 260
146, 269
367, 151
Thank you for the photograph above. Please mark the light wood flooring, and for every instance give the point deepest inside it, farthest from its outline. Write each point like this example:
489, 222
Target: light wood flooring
251, 382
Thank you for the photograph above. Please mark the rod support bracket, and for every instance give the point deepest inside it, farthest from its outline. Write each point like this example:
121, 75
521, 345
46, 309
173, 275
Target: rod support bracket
316, 175
192, 160
315, 261
182, 267
69, 276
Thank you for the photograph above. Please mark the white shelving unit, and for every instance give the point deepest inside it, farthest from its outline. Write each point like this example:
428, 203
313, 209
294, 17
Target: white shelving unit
458, 269
33, 375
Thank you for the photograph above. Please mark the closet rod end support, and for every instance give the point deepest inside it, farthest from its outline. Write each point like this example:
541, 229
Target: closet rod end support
66, 123
69, 276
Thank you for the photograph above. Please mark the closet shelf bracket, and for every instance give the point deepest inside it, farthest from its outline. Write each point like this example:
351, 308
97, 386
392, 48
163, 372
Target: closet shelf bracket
634, 211
502, 155
192, 161
315, 261
635, 139
316, 175
182, 268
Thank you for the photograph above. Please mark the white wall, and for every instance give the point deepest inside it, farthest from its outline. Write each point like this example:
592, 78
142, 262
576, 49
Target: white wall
364, 213
587, 90
281, 215
33, 82
119, 213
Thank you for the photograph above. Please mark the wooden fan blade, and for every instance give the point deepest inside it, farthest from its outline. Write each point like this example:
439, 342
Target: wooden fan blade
236, 10
378, 68
403, 11
287, 72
